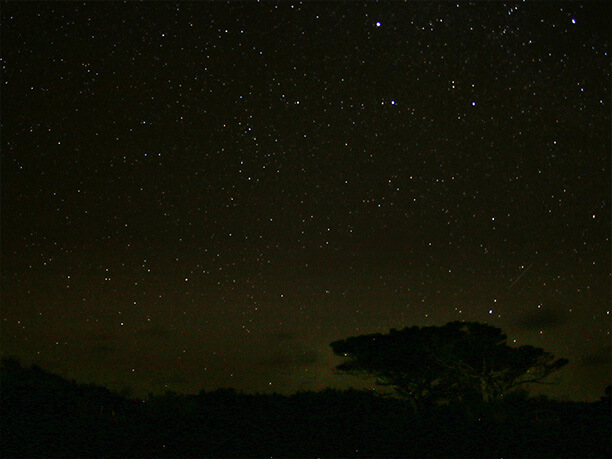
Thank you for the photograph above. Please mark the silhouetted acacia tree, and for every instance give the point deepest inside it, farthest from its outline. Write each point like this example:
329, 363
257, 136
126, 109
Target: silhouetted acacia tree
454, 362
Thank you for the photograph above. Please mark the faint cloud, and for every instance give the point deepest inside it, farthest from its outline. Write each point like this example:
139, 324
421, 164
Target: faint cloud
599, 357
541, 319
290, 359
167, 381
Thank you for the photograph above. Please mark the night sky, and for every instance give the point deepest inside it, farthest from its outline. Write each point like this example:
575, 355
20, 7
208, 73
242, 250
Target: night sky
206, 195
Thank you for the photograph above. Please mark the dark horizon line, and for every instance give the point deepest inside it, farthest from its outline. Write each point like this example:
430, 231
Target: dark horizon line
130, 393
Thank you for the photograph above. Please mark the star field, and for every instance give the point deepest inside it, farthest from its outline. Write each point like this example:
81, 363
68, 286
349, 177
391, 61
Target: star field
206, 195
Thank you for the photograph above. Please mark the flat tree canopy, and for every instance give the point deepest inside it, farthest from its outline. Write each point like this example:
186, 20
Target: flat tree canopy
458, 361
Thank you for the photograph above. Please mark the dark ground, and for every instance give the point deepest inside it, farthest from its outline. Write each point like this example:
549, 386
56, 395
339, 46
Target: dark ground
46, 415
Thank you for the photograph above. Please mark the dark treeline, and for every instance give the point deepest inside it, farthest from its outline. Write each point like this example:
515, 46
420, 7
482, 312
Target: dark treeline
46, 415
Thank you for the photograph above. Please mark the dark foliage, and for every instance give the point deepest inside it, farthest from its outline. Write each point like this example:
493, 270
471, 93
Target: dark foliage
44, 415
458, 362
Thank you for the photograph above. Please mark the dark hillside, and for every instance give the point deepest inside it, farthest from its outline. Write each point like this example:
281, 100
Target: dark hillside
46, 415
